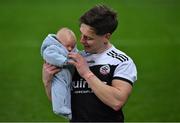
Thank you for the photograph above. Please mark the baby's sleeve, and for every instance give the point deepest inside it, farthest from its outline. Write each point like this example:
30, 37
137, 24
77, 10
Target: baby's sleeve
54, 55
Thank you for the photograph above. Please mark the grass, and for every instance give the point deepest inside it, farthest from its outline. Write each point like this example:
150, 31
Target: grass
148, 32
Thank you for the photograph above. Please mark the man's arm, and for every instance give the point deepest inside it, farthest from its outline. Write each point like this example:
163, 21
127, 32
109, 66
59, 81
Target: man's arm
48, 72
114, 96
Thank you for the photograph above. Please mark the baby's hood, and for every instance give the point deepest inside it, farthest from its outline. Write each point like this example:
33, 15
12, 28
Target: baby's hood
51, 40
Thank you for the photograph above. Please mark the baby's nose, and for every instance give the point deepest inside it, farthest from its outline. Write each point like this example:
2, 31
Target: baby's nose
69, 49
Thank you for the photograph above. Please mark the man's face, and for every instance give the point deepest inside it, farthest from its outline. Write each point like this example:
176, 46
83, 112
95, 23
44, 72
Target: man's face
92, 43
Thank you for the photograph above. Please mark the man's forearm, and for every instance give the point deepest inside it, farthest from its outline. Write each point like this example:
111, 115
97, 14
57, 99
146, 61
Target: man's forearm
48, 89
111, 96
47, 74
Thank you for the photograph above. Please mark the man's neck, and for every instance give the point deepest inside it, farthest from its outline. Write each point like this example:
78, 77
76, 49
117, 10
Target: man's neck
106, 47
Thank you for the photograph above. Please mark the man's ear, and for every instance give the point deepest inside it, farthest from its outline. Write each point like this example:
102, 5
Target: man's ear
107, 37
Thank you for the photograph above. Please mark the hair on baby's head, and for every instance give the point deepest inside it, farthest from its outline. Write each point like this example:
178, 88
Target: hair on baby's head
65, 33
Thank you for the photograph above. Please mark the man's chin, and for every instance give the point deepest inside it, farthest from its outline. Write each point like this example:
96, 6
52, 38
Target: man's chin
86, 49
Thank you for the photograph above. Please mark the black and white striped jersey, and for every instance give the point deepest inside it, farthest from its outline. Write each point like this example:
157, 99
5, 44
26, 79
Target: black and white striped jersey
109, 65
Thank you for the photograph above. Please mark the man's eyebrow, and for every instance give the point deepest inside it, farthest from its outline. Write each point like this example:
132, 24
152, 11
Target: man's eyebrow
86, 35
89, 37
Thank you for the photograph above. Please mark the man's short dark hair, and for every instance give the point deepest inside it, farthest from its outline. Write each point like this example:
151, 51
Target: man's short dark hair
101, 18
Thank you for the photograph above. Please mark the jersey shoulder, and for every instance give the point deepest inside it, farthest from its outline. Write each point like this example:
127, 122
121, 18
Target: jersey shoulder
118, 55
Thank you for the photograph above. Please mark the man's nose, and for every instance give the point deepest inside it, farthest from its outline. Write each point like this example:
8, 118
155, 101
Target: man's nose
83, 39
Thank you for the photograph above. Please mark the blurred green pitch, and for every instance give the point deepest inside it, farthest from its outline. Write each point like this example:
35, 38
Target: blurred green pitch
148, 31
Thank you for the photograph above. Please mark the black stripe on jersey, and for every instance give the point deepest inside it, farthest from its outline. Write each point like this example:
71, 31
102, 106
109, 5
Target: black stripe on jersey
111, 54
114, 55
124, 79
120, 57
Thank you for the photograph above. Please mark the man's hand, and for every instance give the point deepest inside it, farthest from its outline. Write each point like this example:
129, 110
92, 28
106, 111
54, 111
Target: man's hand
48, 73
80, 63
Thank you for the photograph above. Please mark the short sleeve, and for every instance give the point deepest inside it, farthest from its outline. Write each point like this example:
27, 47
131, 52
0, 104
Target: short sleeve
126, 71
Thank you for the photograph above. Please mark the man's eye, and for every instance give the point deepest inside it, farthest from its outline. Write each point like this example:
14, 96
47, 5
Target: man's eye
88, 38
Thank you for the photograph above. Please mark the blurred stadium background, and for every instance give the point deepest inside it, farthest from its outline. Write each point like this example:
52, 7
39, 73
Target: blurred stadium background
148, 31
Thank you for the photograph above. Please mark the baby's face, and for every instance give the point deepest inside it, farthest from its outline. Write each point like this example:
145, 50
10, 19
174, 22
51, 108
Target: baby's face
67, 39
69, 44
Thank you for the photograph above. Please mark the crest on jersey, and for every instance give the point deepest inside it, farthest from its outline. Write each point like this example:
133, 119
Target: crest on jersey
105, 69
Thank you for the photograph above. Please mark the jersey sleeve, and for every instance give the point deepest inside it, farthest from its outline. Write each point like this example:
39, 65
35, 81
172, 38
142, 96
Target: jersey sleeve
54, 55
126, 71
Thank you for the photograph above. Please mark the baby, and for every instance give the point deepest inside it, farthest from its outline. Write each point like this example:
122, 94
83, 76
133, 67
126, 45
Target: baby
54, 50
